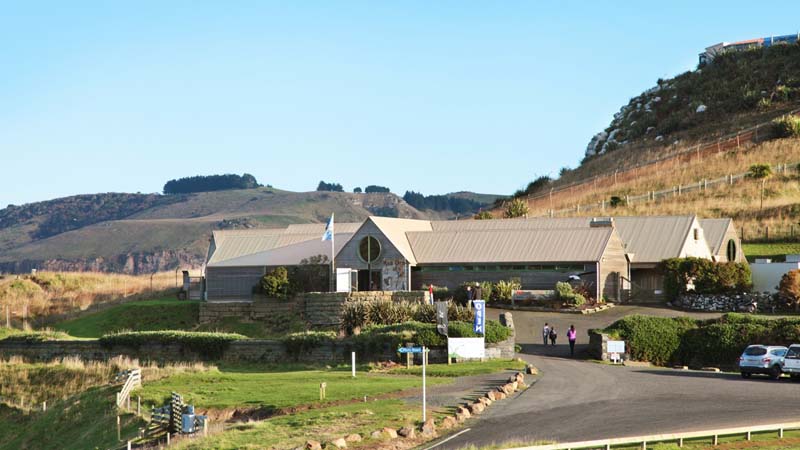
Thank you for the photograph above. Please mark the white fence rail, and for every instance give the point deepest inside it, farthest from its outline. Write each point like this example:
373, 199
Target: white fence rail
134, 380
678, 438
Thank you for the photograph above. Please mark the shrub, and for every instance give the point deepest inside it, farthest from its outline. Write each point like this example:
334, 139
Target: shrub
354, 316
385, 312
516, 208
789, 288
425, 313
708, 277
654, 339
207, 345
504, 290
483, 215
275, 284
426, 334
566, 294
786, 127
306, 342
616, 201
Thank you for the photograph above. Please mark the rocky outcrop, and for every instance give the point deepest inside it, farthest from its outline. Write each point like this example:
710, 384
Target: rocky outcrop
746, 302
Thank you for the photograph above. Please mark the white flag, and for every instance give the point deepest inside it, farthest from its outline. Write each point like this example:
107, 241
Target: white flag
328, 235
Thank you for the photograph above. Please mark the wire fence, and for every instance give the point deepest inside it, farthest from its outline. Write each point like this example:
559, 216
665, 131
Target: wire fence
698, 151
675, 191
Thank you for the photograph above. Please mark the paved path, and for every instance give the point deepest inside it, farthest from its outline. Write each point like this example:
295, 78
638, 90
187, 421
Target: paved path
578, 400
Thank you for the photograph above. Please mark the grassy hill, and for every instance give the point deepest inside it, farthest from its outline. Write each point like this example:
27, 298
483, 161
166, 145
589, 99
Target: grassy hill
139, 233
675, 119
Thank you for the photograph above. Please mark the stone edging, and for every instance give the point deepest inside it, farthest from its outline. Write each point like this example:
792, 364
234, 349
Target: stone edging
428, 429
602, 307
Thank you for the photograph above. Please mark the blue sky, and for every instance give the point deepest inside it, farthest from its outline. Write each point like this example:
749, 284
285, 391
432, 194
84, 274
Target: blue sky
428, 96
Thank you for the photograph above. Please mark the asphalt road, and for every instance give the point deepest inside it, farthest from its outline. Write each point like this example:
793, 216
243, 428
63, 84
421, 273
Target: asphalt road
574, 399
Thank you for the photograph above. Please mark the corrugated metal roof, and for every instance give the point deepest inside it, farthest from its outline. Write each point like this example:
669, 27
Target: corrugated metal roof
286, 255
510, 224
653, 239
396, 230
714, 231
510, 246
234, 243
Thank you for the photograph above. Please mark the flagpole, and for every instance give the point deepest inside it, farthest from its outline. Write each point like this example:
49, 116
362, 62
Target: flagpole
333, 256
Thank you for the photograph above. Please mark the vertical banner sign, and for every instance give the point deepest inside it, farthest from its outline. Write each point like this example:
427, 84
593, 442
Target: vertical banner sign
479, 306
441, 318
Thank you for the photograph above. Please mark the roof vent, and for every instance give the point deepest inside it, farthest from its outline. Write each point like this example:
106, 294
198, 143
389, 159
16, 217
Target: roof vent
598, 222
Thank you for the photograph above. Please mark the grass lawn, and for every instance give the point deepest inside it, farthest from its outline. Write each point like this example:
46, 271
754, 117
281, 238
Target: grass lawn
464, 369
275, 326
146, 315
293, 430
774, 250
247, 386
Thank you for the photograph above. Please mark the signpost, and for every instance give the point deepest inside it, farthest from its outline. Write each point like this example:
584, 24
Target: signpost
479, 326
424, 352
615, 349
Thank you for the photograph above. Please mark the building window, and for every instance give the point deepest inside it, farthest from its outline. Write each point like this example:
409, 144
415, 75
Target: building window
369, 249
731, 250
696, 234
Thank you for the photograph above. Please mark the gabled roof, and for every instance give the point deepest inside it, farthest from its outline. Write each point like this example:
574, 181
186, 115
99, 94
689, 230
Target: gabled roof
287, 255
396, 230
510, 246
714, 230
653, 239
319, 228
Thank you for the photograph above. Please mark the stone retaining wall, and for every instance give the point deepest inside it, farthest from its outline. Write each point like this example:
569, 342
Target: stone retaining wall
319, 309
745, 302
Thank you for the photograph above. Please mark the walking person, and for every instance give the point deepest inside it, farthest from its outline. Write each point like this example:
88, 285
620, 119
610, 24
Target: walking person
572, 336
478, 294
469, 294
553, 335
546, 333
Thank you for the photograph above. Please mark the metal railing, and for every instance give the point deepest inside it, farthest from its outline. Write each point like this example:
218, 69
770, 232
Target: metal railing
678, 438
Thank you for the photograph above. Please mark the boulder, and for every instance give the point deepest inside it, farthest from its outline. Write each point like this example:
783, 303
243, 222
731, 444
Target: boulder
476, 408
701, 108
355, 437
531, 370
464, 411
407, 433
313, 445
520, 377
428, 428
378, 434
491, 395
500, 395
485, 401
391, 433
339, 443
447, 423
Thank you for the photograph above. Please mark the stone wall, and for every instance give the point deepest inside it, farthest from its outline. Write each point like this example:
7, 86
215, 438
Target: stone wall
746, 302
598, 345
319, 309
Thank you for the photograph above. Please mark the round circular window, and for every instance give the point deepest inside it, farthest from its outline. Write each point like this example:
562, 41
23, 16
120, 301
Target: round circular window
369, 249
731, 251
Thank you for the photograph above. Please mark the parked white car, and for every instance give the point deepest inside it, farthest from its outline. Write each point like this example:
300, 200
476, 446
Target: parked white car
791, 362
763, 359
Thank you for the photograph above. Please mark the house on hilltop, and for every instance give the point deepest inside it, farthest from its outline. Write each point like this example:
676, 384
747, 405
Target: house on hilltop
616, 258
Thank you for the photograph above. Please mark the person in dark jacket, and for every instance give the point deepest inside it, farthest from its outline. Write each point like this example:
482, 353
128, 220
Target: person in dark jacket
478, 295
470, 293
553, 335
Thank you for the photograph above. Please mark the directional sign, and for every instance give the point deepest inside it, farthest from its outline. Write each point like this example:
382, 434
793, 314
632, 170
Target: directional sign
410, 350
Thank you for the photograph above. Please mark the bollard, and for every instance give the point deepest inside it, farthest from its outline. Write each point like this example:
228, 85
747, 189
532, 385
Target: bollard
322, 387
44, 406
119, 429
138, 405
167, 438
205, 427
129, 445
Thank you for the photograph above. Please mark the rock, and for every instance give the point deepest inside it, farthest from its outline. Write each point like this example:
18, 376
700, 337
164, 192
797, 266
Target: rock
463, 410
700, 109
650, 130
491, 395
485, 401
391, 433
313, 445
506, 320
376, 434
353, 437
428, 428
595, 143
531, 370
339, 443
476, 408
514, 386
520, 378
500, 395
659, 138
460, 417
407, 433
447, 423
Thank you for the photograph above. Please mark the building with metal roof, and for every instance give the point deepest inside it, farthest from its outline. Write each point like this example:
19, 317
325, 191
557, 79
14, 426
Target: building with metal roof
616, 257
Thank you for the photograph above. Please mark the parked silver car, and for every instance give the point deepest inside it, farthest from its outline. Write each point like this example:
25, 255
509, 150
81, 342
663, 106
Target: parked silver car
791, 363
763, 359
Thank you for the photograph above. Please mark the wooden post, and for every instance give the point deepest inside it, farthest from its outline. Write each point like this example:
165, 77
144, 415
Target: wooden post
44, 406
119, 429
680, 442
409, 360
748, 437
322, 388
715, 440
138, 405
205, 427
167, 438
128, 403
780, 433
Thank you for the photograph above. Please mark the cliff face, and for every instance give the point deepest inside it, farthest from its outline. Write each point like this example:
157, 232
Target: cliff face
132, 263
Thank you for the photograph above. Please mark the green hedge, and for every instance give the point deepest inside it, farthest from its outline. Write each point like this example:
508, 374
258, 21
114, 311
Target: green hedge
685, 341
708, 277
207, 345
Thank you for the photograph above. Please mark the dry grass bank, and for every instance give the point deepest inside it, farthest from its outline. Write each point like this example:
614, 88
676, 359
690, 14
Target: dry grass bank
43, 294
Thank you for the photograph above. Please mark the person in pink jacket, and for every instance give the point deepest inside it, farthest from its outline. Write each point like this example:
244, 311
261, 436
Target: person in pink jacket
572, 336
